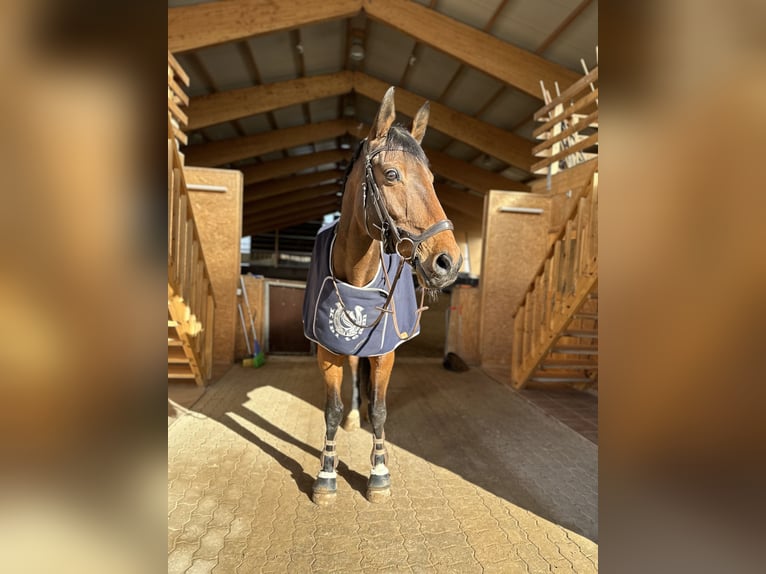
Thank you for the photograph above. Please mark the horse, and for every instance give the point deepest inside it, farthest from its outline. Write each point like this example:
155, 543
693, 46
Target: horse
390, 216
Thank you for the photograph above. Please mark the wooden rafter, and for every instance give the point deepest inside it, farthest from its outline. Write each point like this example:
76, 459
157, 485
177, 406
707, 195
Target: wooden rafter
499, 59
225, 151
461, 201
469, 175
233, 104
299, 197
290, 165
298, 207
210, 23
258, 192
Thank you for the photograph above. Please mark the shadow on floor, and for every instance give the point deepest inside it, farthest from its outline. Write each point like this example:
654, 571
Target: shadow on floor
463, 422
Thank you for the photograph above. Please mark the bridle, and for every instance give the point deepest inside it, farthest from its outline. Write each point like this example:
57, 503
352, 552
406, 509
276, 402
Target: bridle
393, 238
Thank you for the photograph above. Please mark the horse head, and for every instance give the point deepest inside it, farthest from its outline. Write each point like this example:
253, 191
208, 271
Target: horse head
401, 208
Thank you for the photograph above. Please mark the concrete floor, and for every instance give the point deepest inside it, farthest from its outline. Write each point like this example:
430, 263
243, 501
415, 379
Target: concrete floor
483, 480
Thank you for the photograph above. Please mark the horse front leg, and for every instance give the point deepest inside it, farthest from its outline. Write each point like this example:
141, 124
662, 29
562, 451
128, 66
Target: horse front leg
379, 484
352, 418
325, 485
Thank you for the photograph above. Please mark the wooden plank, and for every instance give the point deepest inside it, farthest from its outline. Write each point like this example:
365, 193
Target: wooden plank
290, 165
568, 94
510, 64
485, 137
463, 328
586, 143
299, 196
180, 72
286, 210
568, 111
210, 23
461, 200
233, 104
177, 90
287, 221
582, 124
258, 192
179, 115
230, 150
469, 175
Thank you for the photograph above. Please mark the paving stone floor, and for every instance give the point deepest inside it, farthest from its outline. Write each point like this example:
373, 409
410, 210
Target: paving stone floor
483, 480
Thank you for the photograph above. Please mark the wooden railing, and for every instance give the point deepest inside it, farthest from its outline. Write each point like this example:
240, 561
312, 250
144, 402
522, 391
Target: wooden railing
569, 126
191, 302
560, 287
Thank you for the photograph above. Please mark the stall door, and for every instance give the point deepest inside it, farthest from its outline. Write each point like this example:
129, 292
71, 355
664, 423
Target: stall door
285, 326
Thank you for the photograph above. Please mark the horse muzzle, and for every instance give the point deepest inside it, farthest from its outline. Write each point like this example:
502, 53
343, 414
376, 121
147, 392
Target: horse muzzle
439, 272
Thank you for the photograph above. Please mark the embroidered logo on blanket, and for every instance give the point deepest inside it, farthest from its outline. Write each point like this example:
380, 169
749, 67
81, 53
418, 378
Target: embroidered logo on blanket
347, 324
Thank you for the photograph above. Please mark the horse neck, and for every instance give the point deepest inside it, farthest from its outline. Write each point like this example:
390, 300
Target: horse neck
355, 254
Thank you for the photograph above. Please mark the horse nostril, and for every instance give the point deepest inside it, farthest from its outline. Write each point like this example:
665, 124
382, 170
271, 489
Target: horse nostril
443, 264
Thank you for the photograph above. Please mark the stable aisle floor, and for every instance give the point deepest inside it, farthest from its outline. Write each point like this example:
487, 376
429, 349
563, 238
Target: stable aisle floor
482, 480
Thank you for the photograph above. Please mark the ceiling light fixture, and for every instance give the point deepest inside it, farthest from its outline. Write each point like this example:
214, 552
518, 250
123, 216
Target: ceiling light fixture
357, 50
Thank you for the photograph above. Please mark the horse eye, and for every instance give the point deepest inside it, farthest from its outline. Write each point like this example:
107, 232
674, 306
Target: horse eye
392, 175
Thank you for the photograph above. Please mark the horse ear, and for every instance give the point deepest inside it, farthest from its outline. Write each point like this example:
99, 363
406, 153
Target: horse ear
420, 122
386, 116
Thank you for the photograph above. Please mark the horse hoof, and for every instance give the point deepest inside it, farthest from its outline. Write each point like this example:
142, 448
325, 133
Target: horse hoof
378, 495
352, 421
323, 498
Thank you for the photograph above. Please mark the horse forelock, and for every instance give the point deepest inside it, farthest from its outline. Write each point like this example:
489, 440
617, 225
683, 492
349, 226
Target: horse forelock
399, 138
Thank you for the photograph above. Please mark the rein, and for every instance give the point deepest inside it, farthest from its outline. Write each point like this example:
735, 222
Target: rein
393, 238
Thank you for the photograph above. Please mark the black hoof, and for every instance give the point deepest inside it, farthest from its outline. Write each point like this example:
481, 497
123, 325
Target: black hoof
324, 490
379, 488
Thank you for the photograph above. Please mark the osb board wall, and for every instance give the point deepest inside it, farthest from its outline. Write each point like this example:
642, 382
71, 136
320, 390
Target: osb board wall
218, 216
463, 326
514, 247
255, 295
468, 231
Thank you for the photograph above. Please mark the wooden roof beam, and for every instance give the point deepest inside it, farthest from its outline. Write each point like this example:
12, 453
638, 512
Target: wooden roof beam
274, 212
198, 25
226, 151
300, 196
253, 225
469, 175
506, 62
490, 139
290, 165
461, 201
260, 191
233, 104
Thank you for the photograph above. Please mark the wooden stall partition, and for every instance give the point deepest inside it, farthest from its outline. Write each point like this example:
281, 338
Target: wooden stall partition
463, 326
516, 228
216, 199
468, 234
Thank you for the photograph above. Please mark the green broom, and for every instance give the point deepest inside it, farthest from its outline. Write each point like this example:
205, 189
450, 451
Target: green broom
258, 358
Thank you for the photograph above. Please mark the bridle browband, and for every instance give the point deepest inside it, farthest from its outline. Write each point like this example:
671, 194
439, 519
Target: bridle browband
393, 238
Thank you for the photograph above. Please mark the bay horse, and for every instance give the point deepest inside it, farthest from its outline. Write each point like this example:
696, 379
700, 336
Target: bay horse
390, 216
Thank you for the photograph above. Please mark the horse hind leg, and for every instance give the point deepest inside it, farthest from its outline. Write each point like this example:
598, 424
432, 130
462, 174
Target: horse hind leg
325, 485
352, 418
379, 484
